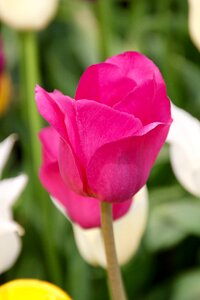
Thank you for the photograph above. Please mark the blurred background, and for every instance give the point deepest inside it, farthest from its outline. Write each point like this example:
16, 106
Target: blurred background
167, 263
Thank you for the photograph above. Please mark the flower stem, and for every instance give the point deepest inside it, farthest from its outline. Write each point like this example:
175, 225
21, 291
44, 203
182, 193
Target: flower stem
30, 78
104, 13
30, 75
114, 274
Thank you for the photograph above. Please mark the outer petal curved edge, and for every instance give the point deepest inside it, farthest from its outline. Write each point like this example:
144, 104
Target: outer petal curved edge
148, 102
121, 168
53, 107
104, 83
137, 66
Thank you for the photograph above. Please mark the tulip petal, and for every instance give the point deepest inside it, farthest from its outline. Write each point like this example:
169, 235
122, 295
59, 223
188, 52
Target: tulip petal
68, 106
2, 57
184, 139
60, 112
82, 210
47, 136
28, 15
8, 226
185, 170
118, 170
10, 247
104, 83
137, 67
5, 149
148, 102
185, 130
61, 152
194, 24
10, 190
69, 168
128, 232
99, 124
53, 107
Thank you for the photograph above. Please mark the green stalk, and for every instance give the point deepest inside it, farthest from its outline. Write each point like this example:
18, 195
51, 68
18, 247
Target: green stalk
104, 14
114, 274
29, 78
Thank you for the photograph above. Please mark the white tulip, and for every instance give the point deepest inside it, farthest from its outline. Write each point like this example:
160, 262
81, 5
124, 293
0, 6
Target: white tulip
184, 140
28, 14
10, 189
128, 232
194, 21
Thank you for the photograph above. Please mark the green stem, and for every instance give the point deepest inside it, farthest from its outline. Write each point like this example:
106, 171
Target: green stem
30, 77
114, 274
104, 18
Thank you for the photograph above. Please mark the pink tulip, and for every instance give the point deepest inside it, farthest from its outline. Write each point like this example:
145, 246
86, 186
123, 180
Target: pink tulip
102, 145
2, 57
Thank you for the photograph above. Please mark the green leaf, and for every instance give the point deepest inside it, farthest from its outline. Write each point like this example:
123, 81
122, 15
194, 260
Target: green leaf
187, 286
171, 222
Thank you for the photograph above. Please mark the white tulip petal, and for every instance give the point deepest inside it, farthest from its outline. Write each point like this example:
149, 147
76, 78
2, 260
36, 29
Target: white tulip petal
194, 23
10, 247
88, 241
28, 14
5, 149
8, 226
184, 139
187, 173
128, 232
184, 125
10, 190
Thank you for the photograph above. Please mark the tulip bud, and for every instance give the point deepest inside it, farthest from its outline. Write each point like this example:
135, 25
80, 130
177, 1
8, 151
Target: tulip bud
114, 129
27, 14
194, 21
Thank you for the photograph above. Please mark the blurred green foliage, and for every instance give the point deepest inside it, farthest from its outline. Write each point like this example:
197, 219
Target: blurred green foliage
167, 265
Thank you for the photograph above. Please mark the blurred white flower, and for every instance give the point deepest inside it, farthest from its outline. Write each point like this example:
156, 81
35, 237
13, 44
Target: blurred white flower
194, 21
184, 140
10, 189
128, 232
28, 14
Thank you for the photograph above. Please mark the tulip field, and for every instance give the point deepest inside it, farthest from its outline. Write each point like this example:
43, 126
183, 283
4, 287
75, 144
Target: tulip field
100, 150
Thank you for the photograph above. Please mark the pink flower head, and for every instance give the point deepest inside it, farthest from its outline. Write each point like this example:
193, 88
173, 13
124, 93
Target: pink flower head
2, 57
102, 145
